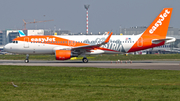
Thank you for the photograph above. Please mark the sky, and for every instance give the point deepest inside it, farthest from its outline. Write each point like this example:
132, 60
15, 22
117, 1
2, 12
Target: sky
104, 15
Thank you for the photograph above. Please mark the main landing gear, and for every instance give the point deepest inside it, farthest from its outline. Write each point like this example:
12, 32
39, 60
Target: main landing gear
27, 58
85, 60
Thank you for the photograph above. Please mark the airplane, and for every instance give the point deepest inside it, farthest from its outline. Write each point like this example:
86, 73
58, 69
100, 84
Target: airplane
65, 47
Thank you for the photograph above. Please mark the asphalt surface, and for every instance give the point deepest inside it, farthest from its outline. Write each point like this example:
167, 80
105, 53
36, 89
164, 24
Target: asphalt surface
156, 65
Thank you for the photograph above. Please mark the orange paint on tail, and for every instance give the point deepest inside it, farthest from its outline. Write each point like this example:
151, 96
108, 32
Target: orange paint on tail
157, 30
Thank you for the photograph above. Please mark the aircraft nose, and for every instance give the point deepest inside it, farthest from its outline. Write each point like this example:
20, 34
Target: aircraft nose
5, 48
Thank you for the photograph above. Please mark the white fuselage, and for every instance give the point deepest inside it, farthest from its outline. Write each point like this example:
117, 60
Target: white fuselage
117, 44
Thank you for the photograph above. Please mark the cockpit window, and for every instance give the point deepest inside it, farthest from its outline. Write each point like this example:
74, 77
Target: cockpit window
14, 41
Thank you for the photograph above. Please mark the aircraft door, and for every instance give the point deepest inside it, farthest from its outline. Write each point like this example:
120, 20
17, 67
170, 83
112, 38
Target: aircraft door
140, 42
26, 44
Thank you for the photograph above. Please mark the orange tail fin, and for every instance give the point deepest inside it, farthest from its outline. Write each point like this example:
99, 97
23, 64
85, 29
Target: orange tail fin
156, 30
160, 25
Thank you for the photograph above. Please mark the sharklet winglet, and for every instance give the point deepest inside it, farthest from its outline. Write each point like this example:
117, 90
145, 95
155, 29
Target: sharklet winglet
107, 39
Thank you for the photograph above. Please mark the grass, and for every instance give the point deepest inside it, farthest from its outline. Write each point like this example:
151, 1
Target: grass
39, 83
99, 57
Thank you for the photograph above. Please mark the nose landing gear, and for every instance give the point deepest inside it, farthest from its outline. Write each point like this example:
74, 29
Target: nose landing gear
27, 58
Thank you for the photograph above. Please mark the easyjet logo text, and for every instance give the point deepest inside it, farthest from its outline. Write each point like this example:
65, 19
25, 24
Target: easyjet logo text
159, 22
43, 39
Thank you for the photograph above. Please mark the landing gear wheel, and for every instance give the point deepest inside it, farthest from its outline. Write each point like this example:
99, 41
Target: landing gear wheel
85, 60
27, 58
26, 61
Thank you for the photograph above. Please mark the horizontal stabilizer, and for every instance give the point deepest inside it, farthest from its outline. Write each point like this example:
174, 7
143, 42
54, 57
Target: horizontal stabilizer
167, 40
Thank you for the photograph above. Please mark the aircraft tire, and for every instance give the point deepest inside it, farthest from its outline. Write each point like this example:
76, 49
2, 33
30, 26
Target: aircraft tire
26, 61
85, 60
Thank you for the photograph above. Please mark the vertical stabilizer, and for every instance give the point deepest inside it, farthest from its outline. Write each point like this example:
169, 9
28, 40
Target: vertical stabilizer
156, 30
160, 25
21, 33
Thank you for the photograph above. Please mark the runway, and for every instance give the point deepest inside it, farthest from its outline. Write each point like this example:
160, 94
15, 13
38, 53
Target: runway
148, 64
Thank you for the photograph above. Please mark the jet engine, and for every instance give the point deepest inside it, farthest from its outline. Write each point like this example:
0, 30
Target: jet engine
64, 54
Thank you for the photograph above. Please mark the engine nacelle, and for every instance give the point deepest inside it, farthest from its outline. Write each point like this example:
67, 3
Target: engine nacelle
64, 54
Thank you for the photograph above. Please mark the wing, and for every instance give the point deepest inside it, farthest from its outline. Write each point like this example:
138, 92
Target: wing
94, 46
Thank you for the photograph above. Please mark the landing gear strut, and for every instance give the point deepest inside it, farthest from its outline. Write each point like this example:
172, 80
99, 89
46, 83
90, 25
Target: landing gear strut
85, 60
27, 58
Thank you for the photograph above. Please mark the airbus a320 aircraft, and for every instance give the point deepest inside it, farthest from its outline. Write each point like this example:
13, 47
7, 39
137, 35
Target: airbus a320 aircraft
65, 47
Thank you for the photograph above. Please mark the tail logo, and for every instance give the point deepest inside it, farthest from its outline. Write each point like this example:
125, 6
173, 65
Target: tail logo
159, 22
21, 33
